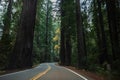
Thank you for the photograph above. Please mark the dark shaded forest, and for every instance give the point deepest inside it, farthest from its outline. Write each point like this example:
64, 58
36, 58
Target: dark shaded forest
80, 33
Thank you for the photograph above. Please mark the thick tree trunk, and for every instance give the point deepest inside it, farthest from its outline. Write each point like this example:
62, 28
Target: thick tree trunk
100, 35
68, 50
47, 39
22, 52
62, 41
103, 51
113, 27
62, 46
97, 27
80, 38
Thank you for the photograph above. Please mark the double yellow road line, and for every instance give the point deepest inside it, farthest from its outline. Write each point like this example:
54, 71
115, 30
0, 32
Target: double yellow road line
41, 74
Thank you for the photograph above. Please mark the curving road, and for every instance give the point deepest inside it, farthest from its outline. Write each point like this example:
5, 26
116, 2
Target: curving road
45, 71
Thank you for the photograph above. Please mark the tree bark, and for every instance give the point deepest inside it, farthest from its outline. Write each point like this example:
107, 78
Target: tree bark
22, 52
62, 41
47, 39
113, 27
80, 38
68, 50
103, 51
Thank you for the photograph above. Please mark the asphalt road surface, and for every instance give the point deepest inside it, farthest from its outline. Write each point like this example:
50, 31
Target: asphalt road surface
45, 71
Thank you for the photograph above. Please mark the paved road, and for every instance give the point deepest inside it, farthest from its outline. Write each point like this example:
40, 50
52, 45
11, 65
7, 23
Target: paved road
60, 73
26, 74
54, 73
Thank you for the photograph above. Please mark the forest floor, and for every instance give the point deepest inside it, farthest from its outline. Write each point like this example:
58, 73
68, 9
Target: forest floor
92, 75
87, 74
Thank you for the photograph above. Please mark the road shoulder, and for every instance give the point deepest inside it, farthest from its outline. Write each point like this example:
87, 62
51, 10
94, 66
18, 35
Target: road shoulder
87, 74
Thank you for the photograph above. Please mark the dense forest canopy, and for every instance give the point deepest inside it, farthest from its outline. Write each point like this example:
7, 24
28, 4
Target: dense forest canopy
80, 33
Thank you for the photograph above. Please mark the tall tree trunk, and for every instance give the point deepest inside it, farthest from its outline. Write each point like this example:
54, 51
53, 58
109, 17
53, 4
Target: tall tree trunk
97, 27
80, 38
62, 45
47, 26
62, 42
68, 33
68, 49
103, 50
113, 27
22, 52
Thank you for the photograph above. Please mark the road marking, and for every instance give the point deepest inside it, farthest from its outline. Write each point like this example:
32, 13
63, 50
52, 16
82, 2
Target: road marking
76, 73
41, 74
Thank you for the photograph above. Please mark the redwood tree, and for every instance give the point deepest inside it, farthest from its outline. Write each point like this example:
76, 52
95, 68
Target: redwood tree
113, 20
80, 38
22, 52
62, 43
103, 49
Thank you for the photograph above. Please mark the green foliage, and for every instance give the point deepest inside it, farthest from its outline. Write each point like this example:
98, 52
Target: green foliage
8, 40
5, 50
116, 69
41, 50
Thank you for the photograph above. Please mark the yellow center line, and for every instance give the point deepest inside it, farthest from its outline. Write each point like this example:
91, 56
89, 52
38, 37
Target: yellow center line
41, 74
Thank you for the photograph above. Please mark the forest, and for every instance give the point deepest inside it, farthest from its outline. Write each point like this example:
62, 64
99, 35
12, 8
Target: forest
80, 33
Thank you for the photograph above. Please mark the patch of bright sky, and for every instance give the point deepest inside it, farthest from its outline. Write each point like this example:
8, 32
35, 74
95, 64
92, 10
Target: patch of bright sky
2, 4
53, 0
54, 13
56, 0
